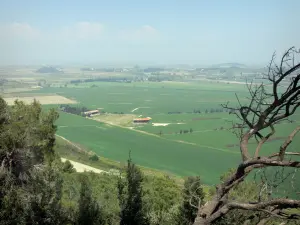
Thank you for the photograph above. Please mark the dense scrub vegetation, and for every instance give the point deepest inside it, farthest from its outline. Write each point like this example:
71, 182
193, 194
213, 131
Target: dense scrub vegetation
37, 188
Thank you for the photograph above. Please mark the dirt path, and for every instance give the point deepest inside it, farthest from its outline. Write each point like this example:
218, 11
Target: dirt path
79, 167
134, 109
144, 107
178, 141
157, 136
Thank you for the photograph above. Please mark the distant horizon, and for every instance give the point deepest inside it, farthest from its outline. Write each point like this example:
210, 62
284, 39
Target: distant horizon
129, 64
187, 32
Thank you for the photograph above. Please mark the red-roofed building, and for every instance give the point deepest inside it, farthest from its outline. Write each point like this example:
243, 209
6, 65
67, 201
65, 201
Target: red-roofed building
142, 120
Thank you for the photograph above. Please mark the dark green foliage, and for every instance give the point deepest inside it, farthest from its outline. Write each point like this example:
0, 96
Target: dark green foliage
161, 199
12, 212
36, 202
30, 188
130, 197
43, 205
3, 113
193, 197
26, 137
89, 212
73, 109
103, 188
68, 167
94, 158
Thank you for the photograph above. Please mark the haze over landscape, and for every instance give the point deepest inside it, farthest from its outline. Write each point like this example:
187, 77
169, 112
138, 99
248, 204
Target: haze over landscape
199, 32
149, 112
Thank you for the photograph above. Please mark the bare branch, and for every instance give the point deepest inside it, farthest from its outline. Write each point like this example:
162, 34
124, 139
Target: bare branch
286, 153
287, 143
279, 203
266, 108
263, 140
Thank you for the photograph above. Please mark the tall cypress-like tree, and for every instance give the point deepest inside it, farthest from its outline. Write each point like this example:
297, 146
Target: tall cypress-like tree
89, 212
130, 197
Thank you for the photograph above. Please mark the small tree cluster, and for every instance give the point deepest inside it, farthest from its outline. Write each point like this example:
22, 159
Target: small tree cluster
73, 110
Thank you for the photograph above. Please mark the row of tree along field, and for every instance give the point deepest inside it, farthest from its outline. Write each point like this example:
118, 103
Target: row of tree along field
78, 110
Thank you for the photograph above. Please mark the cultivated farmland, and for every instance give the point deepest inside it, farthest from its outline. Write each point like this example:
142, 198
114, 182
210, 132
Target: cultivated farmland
188, 131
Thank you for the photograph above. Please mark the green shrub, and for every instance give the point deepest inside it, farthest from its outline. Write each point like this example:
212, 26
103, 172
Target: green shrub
94, 158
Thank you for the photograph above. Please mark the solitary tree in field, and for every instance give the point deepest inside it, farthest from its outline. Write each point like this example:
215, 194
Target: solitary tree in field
269, 104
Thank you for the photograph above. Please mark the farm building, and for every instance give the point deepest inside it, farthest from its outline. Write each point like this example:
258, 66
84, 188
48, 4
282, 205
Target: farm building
92, 112
142, 120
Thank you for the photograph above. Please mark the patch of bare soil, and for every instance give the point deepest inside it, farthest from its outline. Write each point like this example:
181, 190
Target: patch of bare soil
79, 167
116, 119
44, 100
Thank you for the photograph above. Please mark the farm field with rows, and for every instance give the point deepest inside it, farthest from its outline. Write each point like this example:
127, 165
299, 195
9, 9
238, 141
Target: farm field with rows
188, 127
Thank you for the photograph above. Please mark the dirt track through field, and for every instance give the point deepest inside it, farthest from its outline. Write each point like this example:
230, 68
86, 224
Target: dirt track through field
145, 107
178, 141
157, 136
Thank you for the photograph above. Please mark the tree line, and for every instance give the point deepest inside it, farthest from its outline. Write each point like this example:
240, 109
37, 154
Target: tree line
73, 109
100, 79
198, 111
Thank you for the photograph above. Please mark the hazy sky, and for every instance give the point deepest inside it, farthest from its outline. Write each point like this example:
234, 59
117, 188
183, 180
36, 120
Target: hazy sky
162, 31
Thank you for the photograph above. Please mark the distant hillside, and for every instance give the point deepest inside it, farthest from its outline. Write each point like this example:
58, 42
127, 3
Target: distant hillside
230, 65
87, 69
49, 69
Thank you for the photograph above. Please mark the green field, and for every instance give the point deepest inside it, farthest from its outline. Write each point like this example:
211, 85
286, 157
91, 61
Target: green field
208, 150
152, 98
149, 151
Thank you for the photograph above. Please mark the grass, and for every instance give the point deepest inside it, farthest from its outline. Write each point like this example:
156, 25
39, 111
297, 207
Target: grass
207, 151
149, 151
153, 98
82, 155
66, 150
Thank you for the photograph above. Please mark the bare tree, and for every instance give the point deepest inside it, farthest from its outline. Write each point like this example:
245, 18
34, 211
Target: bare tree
270, 103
